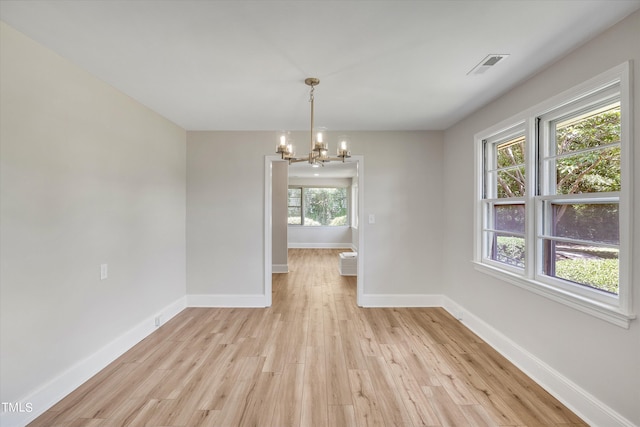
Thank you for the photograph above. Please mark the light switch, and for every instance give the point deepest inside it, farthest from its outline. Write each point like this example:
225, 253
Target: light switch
372, 219
103, 271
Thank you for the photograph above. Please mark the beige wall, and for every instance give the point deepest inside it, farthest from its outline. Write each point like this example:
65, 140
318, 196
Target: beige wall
599, 357
279, 206
225, 205
88, 176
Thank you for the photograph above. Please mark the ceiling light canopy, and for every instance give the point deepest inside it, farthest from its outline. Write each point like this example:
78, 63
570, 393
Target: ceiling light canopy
319, 154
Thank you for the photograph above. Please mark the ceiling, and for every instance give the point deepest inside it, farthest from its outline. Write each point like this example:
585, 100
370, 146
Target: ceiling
334, 169
383, 65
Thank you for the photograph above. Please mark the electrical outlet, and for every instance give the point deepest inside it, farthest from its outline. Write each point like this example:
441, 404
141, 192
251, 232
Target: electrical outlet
372, 219
104, 271
158, 320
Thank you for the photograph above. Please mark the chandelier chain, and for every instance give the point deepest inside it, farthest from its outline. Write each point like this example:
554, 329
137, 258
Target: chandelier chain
312, 124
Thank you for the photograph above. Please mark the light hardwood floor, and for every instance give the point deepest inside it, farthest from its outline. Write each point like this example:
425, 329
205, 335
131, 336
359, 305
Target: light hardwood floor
312, 359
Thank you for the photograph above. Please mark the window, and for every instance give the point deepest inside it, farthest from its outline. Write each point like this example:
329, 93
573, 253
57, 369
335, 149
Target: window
310, 206
294, 206
580, 193
554, 213
504, 198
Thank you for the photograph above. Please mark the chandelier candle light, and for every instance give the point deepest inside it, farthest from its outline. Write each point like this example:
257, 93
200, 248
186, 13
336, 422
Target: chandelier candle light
319, 154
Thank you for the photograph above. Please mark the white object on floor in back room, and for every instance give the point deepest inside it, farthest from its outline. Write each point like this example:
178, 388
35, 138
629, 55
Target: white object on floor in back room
349, 263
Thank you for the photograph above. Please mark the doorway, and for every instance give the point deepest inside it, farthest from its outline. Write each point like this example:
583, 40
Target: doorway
268, 227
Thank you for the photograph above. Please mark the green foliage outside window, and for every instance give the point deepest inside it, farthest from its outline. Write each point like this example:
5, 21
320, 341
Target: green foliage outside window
320, 206
586, 172
510, 250
511, 179
597, 273
592, 171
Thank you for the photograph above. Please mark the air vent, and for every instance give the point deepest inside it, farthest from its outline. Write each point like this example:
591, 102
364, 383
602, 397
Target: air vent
488, 62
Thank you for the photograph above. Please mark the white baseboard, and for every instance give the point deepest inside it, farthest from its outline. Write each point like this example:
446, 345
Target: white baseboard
586, 406
52, 392
280, 268
409, 300
247, 301
320, 245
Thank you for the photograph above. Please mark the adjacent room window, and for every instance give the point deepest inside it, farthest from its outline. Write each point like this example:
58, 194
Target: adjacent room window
317, 206
554, 192
294, 206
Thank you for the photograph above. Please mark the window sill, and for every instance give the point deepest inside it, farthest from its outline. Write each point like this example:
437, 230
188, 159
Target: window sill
585, 305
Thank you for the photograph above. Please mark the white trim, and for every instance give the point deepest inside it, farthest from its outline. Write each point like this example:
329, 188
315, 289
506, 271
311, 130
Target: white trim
360, 247
321, 245
401, 300
52, 392
268, 226
593, 411
228, 301
280, 268
627, 191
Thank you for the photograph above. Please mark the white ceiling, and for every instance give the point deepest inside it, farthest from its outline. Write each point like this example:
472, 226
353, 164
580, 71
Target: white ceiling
383, 65
333, 169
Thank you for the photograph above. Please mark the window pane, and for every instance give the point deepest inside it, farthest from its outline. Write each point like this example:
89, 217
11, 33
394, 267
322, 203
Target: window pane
511, 153
509, 218
593, 129
295, 196
511, 182
294, 215
591, 265
506, 249
325, 206
594, 222
590, 172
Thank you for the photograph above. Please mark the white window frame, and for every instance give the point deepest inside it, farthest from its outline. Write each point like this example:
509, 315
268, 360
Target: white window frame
302, 189
615, 309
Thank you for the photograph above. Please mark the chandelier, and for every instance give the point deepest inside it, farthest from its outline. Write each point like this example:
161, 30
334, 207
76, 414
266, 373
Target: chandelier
319, 154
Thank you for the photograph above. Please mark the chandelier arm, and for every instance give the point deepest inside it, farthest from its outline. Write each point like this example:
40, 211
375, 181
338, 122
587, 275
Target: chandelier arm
298, 160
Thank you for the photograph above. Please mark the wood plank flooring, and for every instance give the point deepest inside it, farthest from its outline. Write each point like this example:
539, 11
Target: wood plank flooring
312, 359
